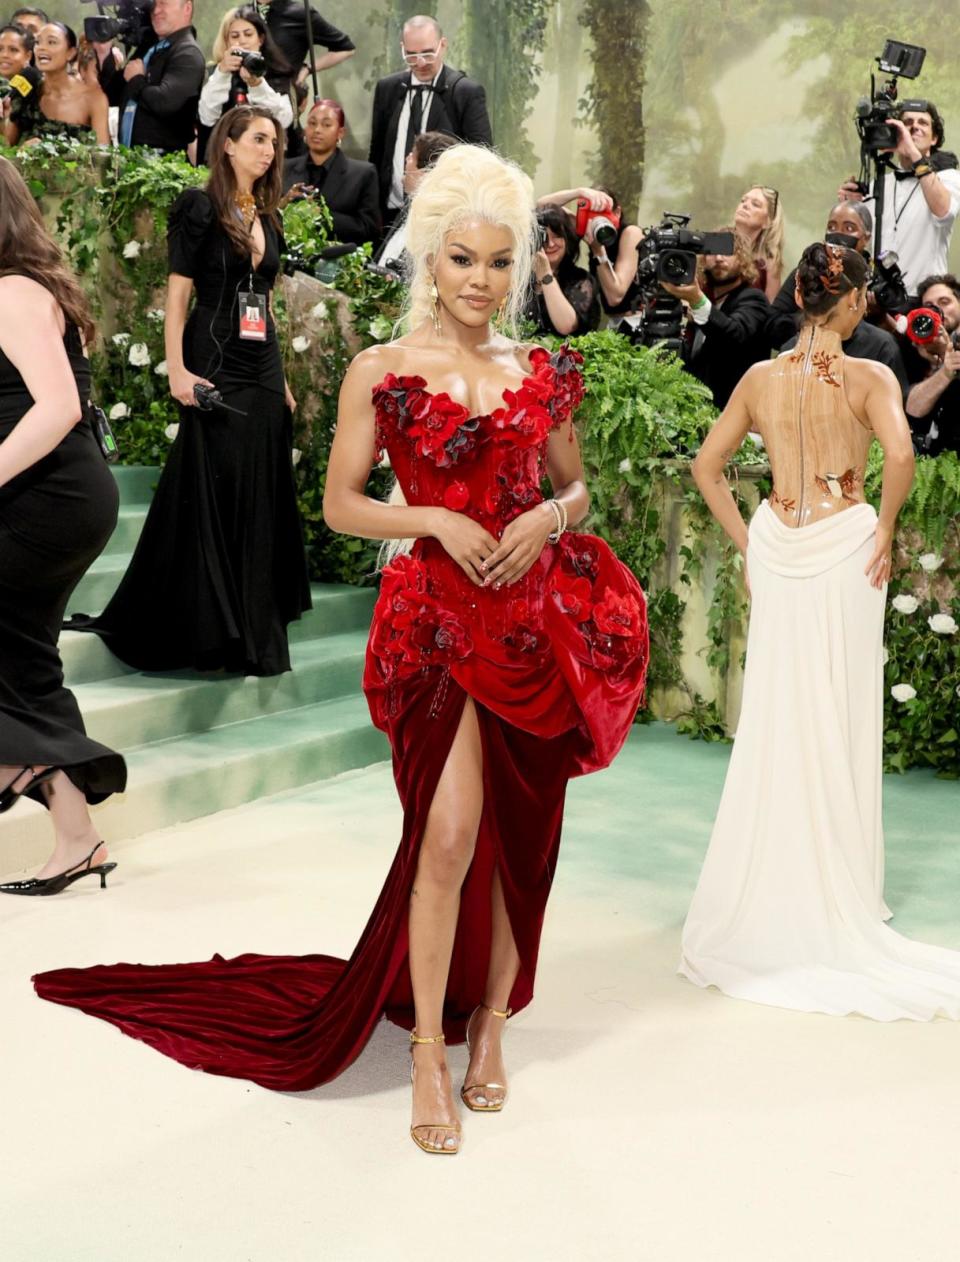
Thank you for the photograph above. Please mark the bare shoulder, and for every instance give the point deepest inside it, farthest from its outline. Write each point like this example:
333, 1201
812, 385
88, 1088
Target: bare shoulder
867, 375
370, 366
25, 300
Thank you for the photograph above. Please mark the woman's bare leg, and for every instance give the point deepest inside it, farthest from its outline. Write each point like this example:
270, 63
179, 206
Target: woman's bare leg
445, 855
486, 1056
74, 831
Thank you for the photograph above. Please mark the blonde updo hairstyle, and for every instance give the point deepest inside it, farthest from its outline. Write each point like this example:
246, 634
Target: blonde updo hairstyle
468, 183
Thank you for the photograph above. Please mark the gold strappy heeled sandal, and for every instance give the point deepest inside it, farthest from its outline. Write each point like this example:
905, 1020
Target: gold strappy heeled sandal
437, 1150
482, 1088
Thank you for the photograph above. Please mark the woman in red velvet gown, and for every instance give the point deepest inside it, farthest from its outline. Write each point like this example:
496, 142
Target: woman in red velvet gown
505, 657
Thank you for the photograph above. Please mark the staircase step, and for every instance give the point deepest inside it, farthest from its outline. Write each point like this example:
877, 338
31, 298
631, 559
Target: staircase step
129, 524
181, 779
136, 483
136, 709
336, 607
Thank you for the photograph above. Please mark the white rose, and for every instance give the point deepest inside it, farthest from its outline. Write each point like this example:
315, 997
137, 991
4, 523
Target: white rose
905, 604
942, 623
625, 466
157, 313
300, 344
172, 431
120, 339
139, 355
930, 562
295, 455
132, 249
161, 369
319, 311
886, 655
381, 328
903, 692
119, 411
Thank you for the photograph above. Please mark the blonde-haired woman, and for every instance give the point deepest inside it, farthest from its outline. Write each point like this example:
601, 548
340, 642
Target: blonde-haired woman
505, 657
759, 220
230, 83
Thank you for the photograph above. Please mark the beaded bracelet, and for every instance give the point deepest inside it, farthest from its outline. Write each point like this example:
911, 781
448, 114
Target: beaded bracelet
560, 513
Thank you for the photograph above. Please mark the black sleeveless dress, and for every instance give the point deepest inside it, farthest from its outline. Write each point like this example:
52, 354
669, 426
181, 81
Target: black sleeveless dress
55, 520
220, 569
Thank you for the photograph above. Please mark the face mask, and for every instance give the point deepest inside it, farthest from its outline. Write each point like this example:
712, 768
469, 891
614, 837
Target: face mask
841, 238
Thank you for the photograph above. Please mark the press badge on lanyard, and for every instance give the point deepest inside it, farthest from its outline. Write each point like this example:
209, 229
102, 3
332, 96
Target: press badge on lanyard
253, 316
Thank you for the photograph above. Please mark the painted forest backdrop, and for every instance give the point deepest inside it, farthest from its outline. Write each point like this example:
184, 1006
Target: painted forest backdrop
677, 104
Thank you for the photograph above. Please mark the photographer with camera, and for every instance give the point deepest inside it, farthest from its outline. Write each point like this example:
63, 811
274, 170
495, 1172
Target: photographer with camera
613, 248
158, 90
726, 335
347, 185
849, 225
565, 298
933, 404
921, 198
244, 55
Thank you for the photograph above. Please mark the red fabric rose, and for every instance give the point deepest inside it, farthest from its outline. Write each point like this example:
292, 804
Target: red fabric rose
456, 497
579, 556
574, 595
618, 615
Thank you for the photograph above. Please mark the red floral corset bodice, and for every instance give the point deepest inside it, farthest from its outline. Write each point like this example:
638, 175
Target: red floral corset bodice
577, 603
488, 467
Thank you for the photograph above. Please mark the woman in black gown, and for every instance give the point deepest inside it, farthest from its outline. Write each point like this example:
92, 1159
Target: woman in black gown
58, 508
220, 569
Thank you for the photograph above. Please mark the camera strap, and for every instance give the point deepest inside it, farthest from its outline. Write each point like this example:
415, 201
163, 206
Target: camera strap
898, 214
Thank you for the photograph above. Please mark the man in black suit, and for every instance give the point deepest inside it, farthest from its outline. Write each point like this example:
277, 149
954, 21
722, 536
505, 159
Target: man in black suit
726, 334
428, 96
287, 23
158, 90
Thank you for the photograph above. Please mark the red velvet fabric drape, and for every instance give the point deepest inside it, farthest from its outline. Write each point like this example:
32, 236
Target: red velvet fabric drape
293, 1022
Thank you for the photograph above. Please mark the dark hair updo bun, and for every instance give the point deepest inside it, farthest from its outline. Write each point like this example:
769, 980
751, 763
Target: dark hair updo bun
827, 272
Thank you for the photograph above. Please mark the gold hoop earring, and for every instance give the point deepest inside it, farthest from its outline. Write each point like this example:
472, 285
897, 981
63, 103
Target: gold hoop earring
435, 309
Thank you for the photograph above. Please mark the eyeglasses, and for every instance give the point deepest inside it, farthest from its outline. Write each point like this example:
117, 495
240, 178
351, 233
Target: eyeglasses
428, 55
770, 192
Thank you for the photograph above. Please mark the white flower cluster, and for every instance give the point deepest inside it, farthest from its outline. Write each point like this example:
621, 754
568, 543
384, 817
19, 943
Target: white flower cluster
132, 249
139, 355
300, 344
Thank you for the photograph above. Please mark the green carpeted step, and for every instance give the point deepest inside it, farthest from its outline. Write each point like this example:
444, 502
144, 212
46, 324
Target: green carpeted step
136, 483
191, 776
337, 607
129, 524
136, 709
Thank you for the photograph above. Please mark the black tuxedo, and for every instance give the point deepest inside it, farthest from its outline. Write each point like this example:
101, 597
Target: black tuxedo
348, 187
734, 338
167, 95
458, 108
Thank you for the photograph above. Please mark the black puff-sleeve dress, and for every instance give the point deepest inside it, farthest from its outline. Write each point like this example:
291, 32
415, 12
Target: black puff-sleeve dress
220, 569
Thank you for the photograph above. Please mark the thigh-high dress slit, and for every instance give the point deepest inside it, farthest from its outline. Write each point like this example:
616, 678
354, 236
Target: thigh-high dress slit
555, 666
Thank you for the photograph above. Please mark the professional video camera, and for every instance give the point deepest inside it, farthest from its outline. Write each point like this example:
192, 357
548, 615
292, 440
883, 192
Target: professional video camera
898, 61
877, 137
131, 24
668, 252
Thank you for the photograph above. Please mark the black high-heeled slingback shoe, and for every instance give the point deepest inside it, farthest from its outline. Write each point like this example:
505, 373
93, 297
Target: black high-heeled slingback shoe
57, 884
10, 796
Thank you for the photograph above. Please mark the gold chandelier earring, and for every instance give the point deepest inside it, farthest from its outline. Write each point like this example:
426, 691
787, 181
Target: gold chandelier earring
499, 318
435, 309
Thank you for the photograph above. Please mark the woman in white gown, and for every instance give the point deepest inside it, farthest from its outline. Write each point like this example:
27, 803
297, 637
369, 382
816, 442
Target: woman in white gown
789, 907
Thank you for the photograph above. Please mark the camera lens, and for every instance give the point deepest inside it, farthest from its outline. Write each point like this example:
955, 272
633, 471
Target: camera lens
675, 267
605, 233
923, 326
